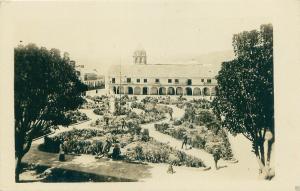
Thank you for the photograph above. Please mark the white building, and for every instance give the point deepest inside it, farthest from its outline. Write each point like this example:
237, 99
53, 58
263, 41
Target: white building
141, 78
90, 77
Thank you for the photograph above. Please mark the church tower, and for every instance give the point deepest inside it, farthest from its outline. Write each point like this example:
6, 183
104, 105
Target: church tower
140, 56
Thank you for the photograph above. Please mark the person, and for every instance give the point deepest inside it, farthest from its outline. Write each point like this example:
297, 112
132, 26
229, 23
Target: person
170, 169
61, 156
171, 113
216, 155
107, 146
116, 154
185, 140
123, 123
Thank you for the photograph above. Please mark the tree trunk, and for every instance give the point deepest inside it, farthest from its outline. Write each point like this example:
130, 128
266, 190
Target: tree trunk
18, 169
264, 162
262, 153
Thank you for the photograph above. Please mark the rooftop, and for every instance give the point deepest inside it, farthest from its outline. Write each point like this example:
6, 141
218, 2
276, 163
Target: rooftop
163, 70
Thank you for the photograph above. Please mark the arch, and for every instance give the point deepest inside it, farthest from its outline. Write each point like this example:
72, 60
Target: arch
162, 91
153, 91
171, 91
188, 91
145, 91
197, 92
130, 90
179, 91
137, 91
206, 91
213, 91
122, 90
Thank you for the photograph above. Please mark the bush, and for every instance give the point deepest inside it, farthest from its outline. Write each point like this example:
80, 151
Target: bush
198, 142
76, 116
73, 139
139, 153
200, 137
156, 152
99, 111
145, 135
177, 122
204, 117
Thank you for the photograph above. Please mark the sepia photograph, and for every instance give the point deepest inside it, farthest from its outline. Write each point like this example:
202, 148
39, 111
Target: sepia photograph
143, 92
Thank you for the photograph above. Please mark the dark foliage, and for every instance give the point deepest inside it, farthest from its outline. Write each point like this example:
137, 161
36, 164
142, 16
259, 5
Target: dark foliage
46, 86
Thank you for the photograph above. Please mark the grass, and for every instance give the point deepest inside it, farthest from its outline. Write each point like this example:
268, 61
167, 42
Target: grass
96, 168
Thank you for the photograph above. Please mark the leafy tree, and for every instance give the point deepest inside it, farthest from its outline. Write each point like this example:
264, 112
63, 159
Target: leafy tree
46, 86
205, 117
245, 90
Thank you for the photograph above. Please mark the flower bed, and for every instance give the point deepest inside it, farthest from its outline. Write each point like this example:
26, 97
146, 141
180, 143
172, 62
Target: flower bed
84, 141
100, 110
200, 137
156, 152
135, 146
76, 116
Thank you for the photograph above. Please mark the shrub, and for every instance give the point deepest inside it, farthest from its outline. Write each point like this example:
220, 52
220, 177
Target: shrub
177, 122
156, 152
76, 116
98, 111
139, 153
198, 142
145, 135
204, 117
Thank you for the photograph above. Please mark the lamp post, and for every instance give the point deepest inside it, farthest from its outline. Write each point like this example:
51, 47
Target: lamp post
120, 88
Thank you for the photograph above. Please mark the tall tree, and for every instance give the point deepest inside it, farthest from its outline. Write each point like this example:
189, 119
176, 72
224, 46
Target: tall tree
245, 91
46, 86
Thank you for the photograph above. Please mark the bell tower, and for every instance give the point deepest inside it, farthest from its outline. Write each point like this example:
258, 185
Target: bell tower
140, 56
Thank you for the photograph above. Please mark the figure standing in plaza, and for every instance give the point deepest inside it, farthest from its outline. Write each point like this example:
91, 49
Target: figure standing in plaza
61, 156
123, 124
216, 155
185, 140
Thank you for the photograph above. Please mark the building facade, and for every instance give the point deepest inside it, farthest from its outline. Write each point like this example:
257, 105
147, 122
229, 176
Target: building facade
141, 78
90, 77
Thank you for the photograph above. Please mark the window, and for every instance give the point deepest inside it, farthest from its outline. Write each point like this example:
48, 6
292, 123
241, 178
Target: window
156, 80
169, 81
145, 80
128, 80
176, 81
208, 80
202, 80
189, 82
113, 80
138, 80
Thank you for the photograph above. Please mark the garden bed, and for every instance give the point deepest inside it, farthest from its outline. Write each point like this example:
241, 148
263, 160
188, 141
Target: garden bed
155, 152
135, 146
76, 116
200, 137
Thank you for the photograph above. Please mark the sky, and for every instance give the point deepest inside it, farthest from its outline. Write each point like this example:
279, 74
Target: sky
100, 33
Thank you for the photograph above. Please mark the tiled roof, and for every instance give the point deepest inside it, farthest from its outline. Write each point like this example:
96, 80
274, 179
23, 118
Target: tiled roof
163, 70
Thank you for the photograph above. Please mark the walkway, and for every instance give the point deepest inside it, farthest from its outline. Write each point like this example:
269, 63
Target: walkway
245, 169
175, 143
82, 125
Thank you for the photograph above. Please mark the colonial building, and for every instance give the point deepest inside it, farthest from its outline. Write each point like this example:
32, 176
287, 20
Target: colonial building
141, 78
90, 77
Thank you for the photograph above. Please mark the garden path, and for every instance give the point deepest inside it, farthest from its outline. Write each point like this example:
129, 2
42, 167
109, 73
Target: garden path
239, 145
84, 125
246, 168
